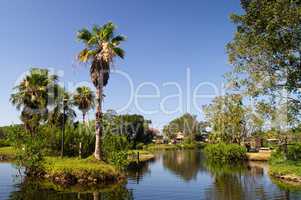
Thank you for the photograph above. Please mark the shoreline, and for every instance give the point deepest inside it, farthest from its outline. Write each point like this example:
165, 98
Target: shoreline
74, 171
157, 147
260, 156
287, 171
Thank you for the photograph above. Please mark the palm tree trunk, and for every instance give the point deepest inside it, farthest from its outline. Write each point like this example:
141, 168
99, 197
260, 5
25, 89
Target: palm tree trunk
98, 122
84, 118
80, 142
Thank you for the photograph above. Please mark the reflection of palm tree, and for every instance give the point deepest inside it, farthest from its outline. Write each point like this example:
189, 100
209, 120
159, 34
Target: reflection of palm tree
186, 163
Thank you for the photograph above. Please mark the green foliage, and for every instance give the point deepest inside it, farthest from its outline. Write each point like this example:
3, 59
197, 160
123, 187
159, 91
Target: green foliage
119, 159
294, 152
265, 52
225, 153
74, 134
187, 124
84, 99
30, 150
226, 114
115, 148
133, 127
36, 91
31, 156
62, 111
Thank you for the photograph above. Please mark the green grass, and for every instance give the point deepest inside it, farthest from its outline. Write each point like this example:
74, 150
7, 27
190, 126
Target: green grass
286, 168
77, 166
144, 155
74, 170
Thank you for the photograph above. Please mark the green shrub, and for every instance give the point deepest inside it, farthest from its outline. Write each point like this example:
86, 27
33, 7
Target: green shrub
119, 158
29, 149
115, 148
294, 152
225, 153
73, 135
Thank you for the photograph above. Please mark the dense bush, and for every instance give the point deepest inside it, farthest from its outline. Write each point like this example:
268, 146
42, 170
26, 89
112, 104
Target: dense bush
74, 134
225, 153
30, 149
294, 152
134, 127
115, 149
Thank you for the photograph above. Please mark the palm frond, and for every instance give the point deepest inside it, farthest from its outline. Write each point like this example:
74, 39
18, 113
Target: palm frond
84, 35
118, 39
108, 31
119, 52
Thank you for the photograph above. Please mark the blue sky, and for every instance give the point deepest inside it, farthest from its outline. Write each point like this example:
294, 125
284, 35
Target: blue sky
164, 39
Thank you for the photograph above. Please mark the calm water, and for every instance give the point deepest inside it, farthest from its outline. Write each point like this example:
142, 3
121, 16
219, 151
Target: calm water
174, 175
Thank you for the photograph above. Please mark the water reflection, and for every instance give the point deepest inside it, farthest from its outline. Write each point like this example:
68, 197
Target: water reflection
173, 175
242, 181
36, 191
185, 164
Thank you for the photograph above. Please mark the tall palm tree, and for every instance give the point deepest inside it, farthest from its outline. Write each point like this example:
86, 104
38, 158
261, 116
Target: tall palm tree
84, 100
101, 47
32, 96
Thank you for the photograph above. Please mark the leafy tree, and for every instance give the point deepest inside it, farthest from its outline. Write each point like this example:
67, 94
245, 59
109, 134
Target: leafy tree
226, 115
101, 47
265, 51
133, 127
187, 124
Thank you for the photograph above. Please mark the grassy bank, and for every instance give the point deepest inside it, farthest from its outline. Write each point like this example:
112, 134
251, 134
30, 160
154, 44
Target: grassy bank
143, 155
157, 147
7, 154
286, 170
71, 171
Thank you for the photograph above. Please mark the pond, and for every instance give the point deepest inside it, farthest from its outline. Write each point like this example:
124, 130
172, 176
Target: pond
173, 175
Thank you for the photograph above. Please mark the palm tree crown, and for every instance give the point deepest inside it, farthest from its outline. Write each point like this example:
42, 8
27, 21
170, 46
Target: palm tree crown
84, 99
101, 46
33, 95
